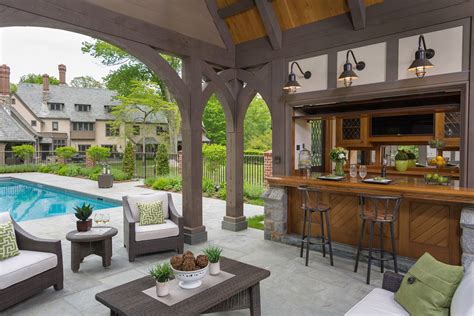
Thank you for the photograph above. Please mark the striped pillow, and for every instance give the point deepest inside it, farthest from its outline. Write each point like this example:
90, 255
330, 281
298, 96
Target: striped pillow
8, 245
151, 213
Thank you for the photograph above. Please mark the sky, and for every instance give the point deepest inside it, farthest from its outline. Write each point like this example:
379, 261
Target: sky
40, 50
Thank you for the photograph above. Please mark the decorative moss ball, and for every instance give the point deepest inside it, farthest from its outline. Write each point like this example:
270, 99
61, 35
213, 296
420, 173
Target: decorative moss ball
202, 261
177, 262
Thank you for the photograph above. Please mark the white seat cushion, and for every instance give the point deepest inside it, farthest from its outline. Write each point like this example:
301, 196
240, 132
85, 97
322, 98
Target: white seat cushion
24, 266
376, 303
463, 299
4, 217
158, 231
146, 198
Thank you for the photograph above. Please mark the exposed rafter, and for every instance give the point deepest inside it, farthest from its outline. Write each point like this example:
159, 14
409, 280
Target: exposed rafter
220, 24
270, 22
357, 9
236, 8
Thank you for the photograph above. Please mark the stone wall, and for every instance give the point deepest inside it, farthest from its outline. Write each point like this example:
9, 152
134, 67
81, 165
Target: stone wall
467, 236
275, 207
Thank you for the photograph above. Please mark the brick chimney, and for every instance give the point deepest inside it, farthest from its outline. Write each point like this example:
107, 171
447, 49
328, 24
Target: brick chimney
62, 74
44, 104
4, 80
45, 82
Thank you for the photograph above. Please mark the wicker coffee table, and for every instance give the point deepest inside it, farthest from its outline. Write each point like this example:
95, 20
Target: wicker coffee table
239, 292
85, 244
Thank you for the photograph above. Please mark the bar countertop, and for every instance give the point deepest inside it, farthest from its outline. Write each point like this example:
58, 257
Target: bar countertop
407, 187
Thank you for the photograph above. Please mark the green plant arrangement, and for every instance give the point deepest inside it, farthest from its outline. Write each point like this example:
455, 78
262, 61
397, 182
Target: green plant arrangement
83, 213
162, 161
65, 152
24, 152
162, 273
213, 254
401, 161
339, 155
128, 163
411, 159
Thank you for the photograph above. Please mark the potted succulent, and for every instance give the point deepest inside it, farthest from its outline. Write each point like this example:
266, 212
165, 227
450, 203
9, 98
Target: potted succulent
401, 161
339, 156
83, 213
214, 255
163, 274
411, 159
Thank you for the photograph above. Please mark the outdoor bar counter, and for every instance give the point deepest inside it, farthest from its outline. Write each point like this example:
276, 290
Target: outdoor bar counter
429, 218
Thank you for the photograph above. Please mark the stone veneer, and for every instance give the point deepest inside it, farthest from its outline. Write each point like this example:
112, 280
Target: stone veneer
467, 237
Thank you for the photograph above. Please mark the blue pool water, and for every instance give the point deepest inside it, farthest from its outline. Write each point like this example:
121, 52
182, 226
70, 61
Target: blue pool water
27, 200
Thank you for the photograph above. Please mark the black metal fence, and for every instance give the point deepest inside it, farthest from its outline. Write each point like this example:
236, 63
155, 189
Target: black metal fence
146, 165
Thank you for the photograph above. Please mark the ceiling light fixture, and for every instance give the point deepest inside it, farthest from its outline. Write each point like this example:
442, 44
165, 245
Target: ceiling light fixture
348, 74
421, 62
292, 85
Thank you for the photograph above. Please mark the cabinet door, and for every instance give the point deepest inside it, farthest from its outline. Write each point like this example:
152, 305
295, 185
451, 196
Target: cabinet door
352, 131
448, 128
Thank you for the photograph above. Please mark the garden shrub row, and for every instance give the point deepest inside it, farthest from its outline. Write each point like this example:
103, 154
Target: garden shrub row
78, 171
18, 168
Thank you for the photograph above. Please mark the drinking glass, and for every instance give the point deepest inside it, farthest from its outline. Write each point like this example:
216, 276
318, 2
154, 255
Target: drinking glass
98, 218
353, 171
105, 218
363, 171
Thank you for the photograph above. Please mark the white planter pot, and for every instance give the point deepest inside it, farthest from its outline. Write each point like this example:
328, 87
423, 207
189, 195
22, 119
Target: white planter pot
162, 289
214, 268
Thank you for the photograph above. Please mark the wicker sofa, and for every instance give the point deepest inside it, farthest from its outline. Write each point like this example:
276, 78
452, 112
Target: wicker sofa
381, 301
151, 238
38, 266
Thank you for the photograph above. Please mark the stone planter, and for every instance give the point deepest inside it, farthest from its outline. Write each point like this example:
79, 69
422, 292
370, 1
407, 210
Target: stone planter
162, 288
84, 226
215, 268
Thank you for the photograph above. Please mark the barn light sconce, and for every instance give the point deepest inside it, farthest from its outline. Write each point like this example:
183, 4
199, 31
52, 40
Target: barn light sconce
422, 56
348, 74
292, 85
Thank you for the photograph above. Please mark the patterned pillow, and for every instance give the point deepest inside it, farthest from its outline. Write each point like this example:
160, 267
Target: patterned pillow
151, 213
8, 245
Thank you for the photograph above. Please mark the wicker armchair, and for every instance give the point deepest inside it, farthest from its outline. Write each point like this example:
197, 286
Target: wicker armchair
53, 277
392, 281
135, 246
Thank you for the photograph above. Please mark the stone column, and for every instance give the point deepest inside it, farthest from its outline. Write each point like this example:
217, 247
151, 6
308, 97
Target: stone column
467, 237
235, 219
267, 166
2, 153
194, 230
276, 218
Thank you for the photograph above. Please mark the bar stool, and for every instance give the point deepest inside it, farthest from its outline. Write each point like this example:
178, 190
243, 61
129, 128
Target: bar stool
377, 210
310, 206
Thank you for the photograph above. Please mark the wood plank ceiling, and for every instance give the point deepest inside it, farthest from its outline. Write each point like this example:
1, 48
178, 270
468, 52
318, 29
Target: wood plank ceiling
245, 22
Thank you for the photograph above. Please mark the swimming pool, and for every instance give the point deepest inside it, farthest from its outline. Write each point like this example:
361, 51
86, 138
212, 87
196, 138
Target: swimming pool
27, 200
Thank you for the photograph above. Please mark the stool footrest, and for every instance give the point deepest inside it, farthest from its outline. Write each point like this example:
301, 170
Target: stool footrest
388, 255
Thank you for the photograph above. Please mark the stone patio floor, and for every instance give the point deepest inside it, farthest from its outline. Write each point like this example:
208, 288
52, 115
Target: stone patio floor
292, 288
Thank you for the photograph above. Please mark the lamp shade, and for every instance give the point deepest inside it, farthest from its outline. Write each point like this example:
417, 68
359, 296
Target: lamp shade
421, 62
292, 85
348, 75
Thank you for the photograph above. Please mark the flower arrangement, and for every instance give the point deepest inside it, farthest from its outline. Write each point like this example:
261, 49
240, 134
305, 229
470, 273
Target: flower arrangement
338, 154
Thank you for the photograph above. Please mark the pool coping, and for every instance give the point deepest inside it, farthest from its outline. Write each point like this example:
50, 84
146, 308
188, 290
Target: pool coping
91, 196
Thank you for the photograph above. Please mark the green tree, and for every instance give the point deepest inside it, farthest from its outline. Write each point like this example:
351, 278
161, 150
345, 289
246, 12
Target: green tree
214, 121
258, 126
65, 152
128, 162
98, 153
86, 82
131, 70
38, 79
24, 152
215, 156
162, 160
13, 87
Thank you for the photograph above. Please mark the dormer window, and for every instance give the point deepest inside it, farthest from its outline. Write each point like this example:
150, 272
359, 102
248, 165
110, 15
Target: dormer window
82, 107
13, 101
53, 106
108, 108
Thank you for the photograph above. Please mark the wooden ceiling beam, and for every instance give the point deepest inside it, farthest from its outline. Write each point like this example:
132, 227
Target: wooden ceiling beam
357, 9
270, 21
236, 8
220, 24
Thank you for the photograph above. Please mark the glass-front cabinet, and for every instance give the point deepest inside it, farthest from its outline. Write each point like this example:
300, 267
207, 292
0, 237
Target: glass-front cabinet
352, 131
448, 128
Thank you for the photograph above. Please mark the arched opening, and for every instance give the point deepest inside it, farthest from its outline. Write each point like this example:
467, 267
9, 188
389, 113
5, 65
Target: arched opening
125, 101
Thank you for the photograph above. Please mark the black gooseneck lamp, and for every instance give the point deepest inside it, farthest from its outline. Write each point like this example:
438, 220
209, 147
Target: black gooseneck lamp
348, 74
292, 85
422, 56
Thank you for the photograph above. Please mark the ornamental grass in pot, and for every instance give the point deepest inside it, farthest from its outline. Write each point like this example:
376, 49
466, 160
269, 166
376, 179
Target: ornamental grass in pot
214, 255
163, 274
401, 161
83, 213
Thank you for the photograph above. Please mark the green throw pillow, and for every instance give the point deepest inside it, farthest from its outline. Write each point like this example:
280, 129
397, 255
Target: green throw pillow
8, 245
428, 287
151, 213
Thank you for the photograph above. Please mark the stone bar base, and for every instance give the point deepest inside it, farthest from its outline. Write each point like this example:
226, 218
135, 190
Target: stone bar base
195, 235
467, 236
234, 224
275, 206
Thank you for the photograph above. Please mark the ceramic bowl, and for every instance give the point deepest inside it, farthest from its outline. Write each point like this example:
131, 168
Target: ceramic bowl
190, 279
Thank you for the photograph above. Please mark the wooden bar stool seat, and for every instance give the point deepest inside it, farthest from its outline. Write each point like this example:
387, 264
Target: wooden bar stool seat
311, 205
377, 210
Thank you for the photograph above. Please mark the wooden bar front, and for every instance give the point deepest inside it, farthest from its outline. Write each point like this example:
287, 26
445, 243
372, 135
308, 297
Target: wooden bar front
428, 219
